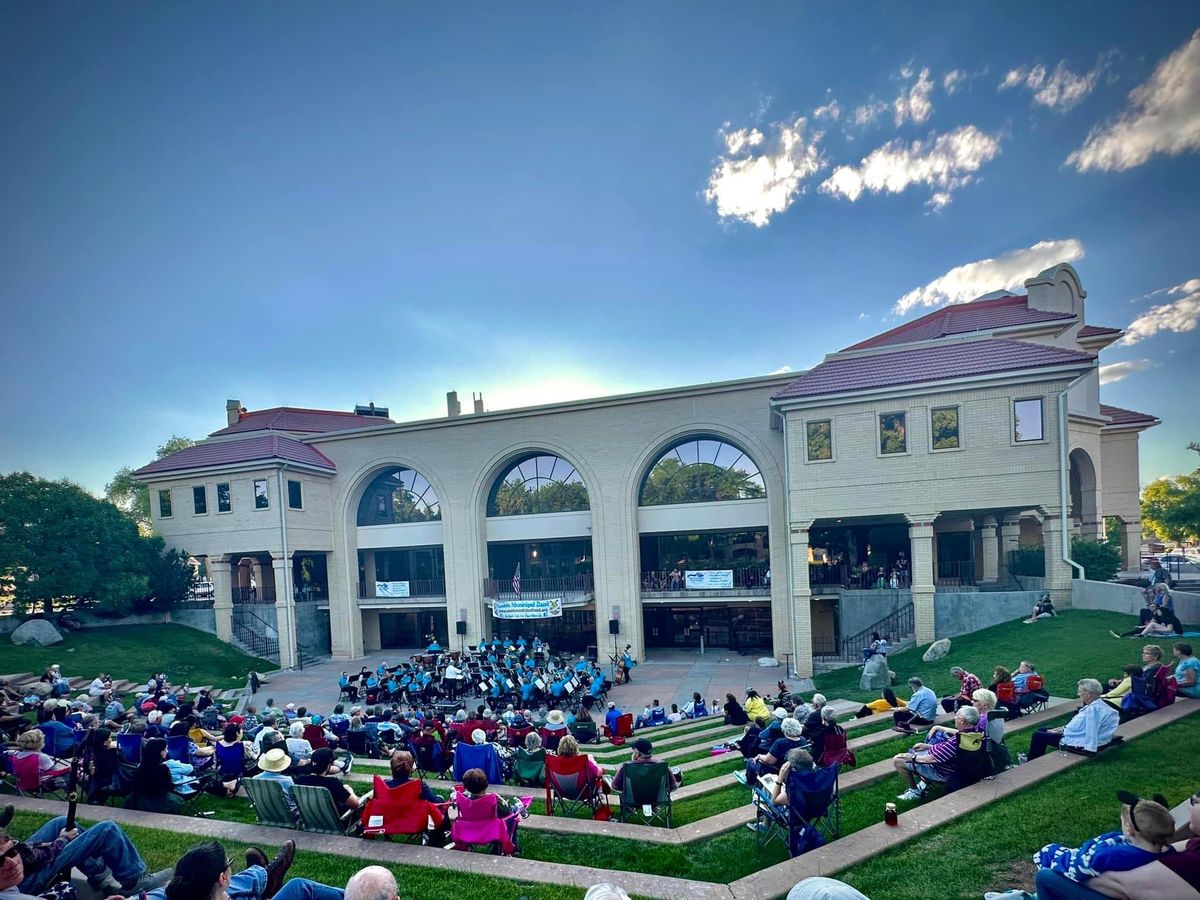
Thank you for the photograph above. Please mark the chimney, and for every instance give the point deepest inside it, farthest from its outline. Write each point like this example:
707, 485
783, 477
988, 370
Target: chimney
478, 401
233, 411
453, 407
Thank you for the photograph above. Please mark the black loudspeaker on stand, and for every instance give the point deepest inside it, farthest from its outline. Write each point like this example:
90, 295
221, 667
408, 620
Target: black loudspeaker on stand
460, 627
614, 626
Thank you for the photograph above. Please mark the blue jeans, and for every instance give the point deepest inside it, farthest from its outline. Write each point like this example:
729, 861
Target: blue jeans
250, 883
103, 845
1052, 886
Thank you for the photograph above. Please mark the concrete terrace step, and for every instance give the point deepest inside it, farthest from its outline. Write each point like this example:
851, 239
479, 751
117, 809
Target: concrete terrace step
773, 881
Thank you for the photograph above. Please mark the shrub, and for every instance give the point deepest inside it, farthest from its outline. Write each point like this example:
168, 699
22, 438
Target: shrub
1101, 560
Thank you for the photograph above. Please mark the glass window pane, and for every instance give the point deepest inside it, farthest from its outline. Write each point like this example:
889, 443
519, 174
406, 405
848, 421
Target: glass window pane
261, 499
224, 500
820, 440
893, 433
701, 470
540, 483
200, 500
944, 424
295, 497
1027, 416
164, 504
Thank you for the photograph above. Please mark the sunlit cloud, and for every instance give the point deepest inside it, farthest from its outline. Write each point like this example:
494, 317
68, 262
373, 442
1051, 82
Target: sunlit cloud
761, 174
1177, 316
1110, 373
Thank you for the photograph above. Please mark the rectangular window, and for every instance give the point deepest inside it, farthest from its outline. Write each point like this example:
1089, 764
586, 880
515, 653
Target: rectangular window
224, 498
893, 433
820, 440
200, 500
944, 427
295, 498
1027, 420
261, 500
164, 504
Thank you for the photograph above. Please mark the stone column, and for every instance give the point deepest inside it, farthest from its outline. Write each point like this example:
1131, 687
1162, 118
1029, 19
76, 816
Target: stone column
222, 578
1058, 570
370, 631
1131, 546
801, 600
1010, 537
285, 611
920, 537
989, 557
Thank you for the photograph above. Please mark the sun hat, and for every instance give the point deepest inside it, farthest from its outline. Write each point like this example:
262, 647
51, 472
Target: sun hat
274, 761
555, 717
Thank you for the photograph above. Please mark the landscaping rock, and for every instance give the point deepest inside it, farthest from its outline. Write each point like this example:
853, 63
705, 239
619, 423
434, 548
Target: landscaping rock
38, 632
768, 662
937, 650
875, 676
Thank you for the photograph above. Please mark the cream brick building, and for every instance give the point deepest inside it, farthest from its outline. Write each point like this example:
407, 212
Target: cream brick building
916, 460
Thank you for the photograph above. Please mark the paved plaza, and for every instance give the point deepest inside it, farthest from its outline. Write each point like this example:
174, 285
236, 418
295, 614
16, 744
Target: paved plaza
668, 675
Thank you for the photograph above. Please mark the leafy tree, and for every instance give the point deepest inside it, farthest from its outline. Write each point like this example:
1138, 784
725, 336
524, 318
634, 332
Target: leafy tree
1101, 560
945, 428
893, 435
131, 496
1171, 506
1028, 559
820, 440
670, 481
514, 498
58, 543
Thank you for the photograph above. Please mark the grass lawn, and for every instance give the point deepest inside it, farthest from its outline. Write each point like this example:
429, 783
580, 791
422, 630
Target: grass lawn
135, 652
1075, 645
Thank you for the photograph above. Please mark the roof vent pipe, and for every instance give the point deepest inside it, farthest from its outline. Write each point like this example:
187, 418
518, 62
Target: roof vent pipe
453, 407
478, 401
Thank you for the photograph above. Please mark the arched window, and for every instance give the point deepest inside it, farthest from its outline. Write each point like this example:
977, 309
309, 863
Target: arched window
398, 495
701, 470
538, 483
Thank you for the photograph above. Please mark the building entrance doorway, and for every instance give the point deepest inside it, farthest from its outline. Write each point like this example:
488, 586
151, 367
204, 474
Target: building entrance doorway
742, 627
412, 629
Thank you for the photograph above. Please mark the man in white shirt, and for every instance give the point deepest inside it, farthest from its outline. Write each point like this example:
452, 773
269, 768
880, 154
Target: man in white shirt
452, 679
1091, 728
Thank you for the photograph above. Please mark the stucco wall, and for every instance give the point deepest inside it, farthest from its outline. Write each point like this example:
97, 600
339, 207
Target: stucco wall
200, 619
312, 628
956, 614
1125, 598
858, 610
1119, 465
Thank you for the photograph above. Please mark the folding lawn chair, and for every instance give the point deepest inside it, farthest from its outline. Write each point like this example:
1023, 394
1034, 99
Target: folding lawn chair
270, 803
570, 787
550, 738
478, 756
646, 793
479, 825
530, 768
130, 748
430, 757
770, 821
836, 752
585, 731
623, 729
318, 812
814, 808
29, 782
399, 811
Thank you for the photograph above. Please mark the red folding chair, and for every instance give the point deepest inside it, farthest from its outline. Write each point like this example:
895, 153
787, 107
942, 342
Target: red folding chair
571, 787
623, 730
1006, 692
400, 811
836, 751
315, 735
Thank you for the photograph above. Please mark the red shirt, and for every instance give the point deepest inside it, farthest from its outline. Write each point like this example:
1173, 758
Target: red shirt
1185, 864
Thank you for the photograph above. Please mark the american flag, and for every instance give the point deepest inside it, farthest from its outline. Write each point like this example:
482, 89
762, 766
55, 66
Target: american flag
517, 580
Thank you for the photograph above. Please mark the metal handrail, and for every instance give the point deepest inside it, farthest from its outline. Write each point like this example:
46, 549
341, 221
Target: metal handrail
896, 624
539, 588
745, 578
418, 587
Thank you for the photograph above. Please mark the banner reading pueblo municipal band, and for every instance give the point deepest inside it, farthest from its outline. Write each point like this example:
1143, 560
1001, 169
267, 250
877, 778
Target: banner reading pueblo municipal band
391, 589
708, 578
527, 609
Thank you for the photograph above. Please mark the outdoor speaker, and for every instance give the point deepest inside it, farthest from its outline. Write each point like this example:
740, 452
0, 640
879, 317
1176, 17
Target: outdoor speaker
460, 627
614, 626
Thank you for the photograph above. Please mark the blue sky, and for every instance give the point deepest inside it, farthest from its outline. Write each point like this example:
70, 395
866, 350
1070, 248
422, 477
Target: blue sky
321, 205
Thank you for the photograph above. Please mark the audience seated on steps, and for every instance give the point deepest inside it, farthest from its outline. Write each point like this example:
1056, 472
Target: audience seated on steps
653, 714
968, 685
31, 743
272, 766
772, 759
933, 760
320, 773
1091, 728
643, 754
921, 710
734, 713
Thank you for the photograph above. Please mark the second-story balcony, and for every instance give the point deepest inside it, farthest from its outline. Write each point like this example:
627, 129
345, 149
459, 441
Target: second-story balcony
417, 589
571, 589
747, 581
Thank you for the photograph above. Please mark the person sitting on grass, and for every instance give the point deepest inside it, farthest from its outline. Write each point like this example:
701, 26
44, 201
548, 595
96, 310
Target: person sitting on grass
1146, 832
1091, 728
888, 702
1187, 671
734, 714
1162, 623
755, 706
205, 872
748, 743
968, 685
933, 761
921, 711
1043, 609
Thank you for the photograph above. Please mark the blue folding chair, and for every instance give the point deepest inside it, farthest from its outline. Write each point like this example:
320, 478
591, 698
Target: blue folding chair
478, 756
814, 808
179, 748
130, 748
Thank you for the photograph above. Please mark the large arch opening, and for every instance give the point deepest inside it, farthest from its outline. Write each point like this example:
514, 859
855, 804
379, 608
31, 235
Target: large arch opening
539, 549
704, 547
1084, 511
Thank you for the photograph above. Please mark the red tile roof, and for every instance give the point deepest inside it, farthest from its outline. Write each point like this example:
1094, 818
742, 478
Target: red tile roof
260, 448
1121, 416
301, 421
963, 318
1088, 331
921, 364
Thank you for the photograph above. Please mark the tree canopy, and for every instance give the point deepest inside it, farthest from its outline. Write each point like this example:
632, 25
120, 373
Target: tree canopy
60, 544
671, 481
131, 496
513, 498
1171, 506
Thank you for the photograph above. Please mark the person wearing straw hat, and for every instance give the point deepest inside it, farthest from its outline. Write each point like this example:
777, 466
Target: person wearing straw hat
272, 766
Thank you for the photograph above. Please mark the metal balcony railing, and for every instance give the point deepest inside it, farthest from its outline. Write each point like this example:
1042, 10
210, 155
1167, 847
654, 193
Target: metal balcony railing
418, 587
753, 578
540, 588
955, 573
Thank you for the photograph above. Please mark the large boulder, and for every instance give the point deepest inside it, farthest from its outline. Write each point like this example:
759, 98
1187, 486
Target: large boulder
38, 632
768, 662
937, 650
875, 676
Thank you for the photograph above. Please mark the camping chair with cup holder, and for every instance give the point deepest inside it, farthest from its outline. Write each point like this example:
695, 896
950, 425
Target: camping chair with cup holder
646, 793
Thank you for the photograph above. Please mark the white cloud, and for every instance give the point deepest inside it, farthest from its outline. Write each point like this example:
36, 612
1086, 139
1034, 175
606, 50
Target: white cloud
830, 110
944, 162
913, 102
862, 316
780, 371
759, 176
1113, 372
869, 111
1005, 272
953, 80
1061, 89
1163, 116
1178, 316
